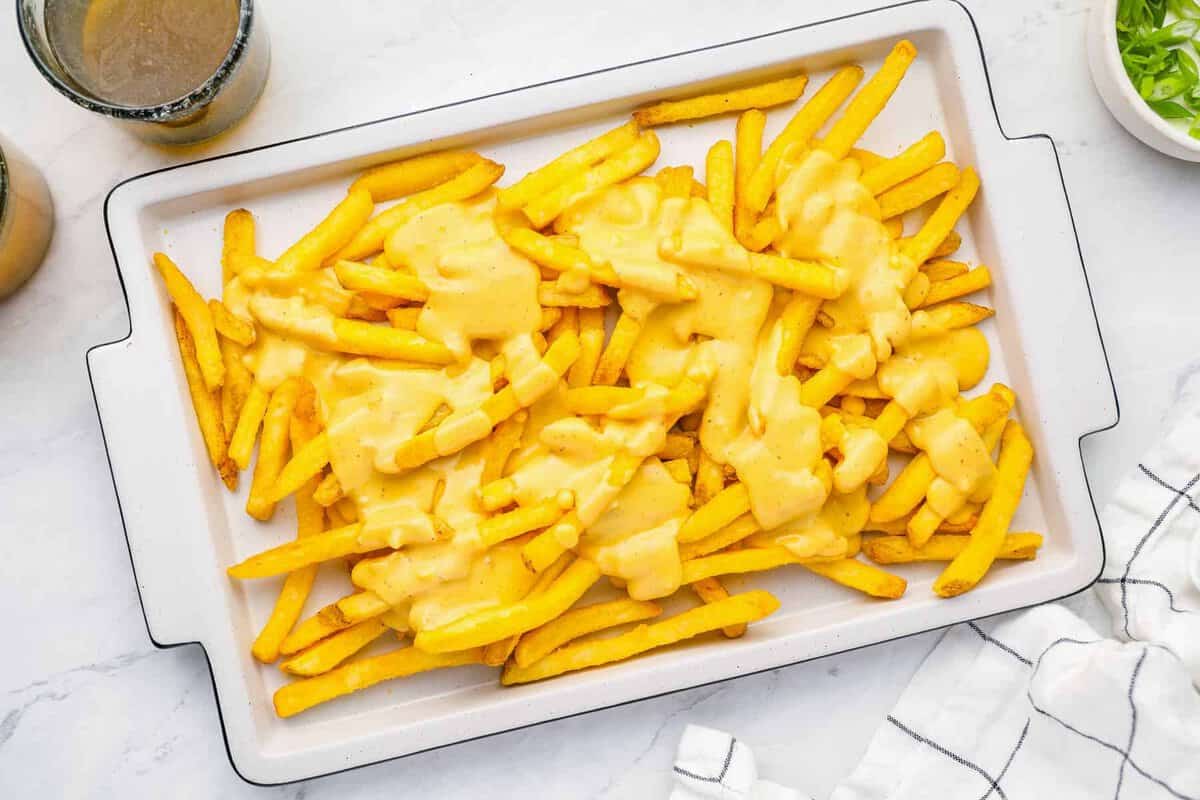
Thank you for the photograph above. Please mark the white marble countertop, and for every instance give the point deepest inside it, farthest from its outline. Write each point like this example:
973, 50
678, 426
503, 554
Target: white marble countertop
88, 708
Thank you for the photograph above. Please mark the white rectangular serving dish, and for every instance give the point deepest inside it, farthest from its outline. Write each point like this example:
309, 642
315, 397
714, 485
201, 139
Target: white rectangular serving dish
183, 528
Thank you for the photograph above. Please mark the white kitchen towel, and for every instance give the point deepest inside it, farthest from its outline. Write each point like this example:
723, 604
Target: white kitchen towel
1037, 706
1151, 580
713, 764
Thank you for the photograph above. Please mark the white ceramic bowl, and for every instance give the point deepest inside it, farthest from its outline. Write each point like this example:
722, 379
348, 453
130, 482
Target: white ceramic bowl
1119, 95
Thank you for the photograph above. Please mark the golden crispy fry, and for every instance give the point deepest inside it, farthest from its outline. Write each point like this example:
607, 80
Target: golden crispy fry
976, 280
404, 318
331, 234
512, 524
566, 166
710, 478
870, 100
496, 653
326, 622
461, 431
198, 317
334, 543
304, 694
734, 532
504, 439
272, 449
738, 609
593, 297
237, 248
310, 521
675, 181
828, 383
328, 491
928, 241
809, 277
241, 444
599, 400
305, 464
233, 328
763, 233
577, 622
799, 130
327, 654
679, 469
380, 281
718, 174
917, 290
206, 405
942, 270
863, 577
591, 345
867, 159
749, 559
730, 503
236, 388
899, 527
969, 566
365, 339
371, 237
710, 590
918, 190
620, 345
491, 625
945, 547
678, 445
764, 95
626, 163
546, 251
747, 153
400, 178
912, 162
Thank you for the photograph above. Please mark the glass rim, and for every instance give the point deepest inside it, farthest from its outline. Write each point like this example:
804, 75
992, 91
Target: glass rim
162, 112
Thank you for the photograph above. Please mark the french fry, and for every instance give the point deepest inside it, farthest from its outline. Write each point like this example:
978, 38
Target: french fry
328, 491
566, 166
749, 559
496, 653
826, 384
328, 653
299, 553
727, 505
310, 521
365, 339
928, 240
867, 159
795, 322
763, 233
304, 694
237, 247
404, 318
626, 163
679, 470
504, 439
206, 405
799, 131
865, 578
976, 280
918, 190
380, 281
894, 227
738, 609
943, 270
524, 519
677, 445
945, 547
718, 175
591, 345
675, 181
541, 641
236, 388
241, 444
616, 353
747, 153
331, 234
865, 106
370, 237
809, 277
710, 478
233, 328
491, 625
198, 318
332, 618
459, 432
304, 465
917, 158
710, 590
917, 290
272, 448
987, 538
546, 251
593, 297
947, 247
764, 95
741, 528
407, 176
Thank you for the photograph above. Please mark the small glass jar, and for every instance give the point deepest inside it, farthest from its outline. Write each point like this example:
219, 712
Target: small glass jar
216, 104
26, 218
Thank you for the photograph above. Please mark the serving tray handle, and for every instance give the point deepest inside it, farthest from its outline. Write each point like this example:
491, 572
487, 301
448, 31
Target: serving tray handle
167, 523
